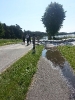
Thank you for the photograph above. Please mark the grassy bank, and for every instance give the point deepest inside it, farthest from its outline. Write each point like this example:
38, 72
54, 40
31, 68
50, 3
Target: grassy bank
9, 41
14, 82
69, 53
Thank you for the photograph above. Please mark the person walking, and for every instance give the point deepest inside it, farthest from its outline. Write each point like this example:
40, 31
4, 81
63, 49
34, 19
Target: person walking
24, 39
27, 37
33, 38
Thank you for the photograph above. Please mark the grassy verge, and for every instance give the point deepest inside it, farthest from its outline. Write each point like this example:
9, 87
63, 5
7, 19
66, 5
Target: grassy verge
9, 41
69, 53
14, 82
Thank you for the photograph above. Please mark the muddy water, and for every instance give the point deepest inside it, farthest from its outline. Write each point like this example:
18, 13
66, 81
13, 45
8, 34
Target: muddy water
56, 58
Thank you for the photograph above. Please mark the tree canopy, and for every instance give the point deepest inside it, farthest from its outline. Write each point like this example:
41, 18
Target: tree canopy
53, 18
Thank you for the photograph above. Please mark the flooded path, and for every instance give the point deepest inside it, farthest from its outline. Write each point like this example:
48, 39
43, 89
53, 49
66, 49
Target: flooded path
59, 62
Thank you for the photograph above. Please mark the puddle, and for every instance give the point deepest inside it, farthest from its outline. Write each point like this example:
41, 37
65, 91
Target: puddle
44, 53
55, 57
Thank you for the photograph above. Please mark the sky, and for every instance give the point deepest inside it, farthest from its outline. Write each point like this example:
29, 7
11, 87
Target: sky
28, 14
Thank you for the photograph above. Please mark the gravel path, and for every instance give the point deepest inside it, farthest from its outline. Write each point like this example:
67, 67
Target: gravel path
48, 83
11, 53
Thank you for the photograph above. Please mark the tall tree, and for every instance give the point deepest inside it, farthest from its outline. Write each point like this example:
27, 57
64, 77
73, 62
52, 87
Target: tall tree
1, 31
6, 31
19, 31
53, 18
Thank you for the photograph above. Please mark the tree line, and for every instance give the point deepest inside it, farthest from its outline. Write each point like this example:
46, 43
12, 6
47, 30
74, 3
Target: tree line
16, 32
65, 33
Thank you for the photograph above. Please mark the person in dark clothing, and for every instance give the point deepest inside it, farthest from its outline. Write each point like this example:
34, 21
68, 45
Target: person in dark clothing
29, 38
24, 39
33, 38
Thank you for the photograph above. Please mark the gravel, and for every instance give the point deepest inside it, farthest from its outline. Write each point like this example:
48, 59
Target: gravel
48, 84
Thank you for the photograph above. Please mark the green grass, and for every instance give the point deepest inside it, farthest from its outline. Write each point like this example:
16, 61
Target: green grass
14, 82
69, 53
9, 41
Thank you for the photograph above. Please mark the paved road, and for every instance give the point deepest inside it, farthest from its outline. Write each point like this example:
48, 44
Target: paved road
10, 53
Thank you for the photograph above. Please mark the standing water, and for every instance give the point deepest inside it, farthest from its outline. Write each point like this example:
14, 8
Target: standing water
56, 58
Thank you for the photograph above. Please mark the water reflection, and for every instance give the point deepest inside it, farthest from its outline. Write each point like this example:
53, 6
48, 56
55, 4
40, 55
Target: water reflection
68, 73
44, 53
55, 57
